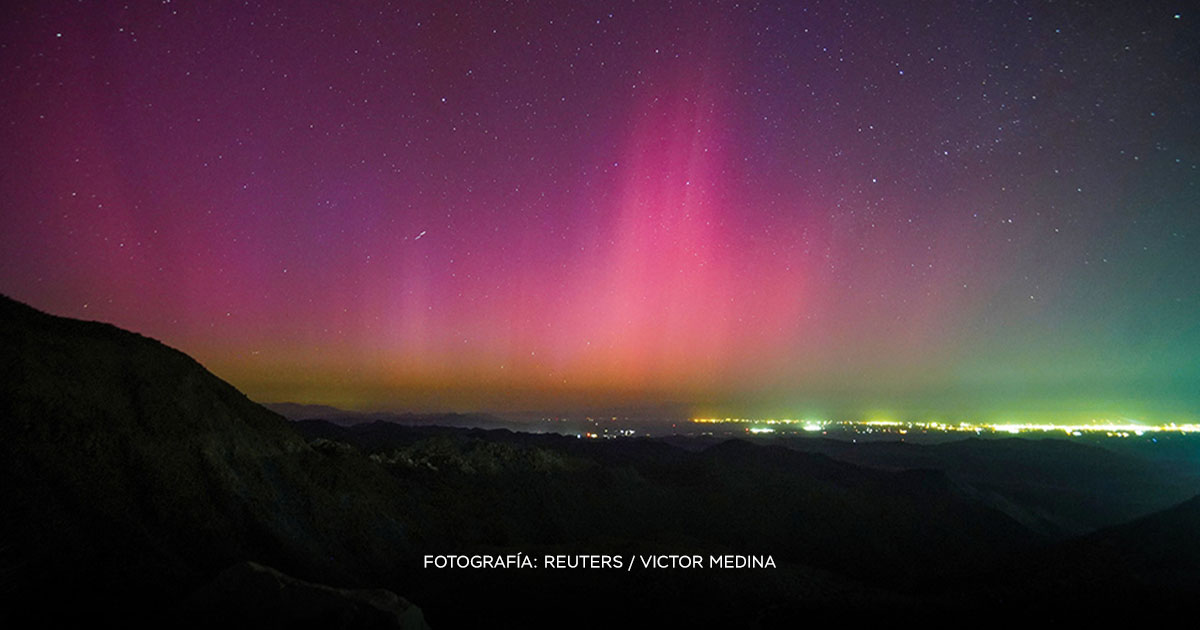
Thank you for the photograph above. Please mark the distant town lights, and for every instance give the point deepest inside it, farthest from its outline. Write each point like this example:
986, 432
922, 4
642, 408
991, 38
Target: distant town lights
1107, 427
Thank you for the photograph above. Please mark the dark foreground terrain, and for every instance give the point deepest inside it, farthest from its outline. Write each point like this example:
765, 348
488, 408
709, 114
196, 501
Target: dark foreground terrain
140, 488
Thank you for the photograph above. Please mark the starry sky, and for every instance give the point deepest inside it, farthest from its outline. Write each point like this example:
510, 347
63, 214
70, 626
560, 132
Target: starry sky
966, 209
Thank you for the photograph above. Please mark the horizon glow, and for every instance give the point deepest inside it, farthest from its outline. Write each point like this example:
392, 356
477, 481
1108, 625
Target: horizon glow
1112, 428
952, 209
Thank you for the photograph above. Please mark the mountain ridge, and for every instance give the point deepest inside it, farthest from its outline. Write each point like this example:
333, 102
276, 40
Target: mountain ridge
131, 464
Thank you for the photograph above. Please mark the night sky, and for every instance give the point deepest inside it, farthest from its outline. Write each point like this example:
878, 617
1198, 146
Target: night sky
975, 209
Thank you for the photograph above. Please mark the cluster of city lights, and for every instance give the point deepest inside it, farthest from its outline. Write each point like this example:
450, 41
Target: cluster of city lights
1111, 428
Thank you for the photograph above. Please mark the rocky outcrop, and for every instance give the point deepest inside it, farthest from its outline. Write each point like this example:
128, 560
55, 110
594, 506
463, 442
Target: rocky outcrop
132, 475
250, 594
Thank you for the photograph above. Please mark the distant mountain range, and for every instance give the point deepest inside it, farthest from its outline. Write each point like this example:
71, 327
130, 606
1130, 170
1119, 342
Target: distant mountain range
295, 411
140, 488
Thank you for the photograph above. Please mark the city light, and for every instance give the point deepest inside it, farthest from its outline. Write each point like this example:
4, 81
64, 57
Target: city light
1110, 428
